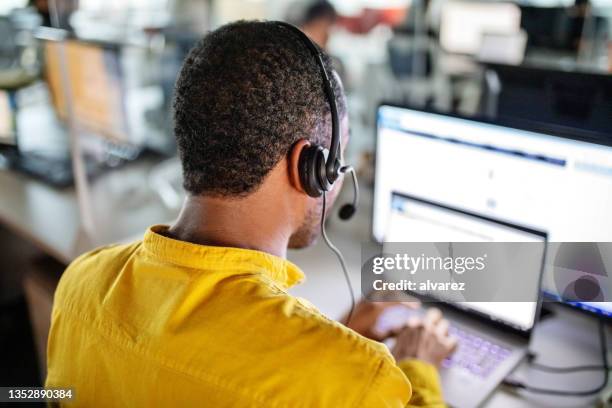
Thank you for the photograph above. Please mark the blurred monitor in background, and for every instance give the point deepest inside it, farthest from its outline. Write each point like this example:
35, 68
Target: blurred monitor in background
463, 24
315, 18
86, 87
561, 28
549, 98
96, 86
545, 26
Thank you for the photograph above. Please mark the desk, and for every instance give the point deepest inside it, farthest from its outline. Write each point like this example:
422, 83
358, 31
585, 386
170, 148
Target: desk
123, 203
125, 207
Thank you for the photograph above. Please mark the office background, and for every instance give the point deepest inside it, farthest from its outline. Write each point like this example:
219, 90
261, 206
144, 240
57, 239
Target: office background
88, 158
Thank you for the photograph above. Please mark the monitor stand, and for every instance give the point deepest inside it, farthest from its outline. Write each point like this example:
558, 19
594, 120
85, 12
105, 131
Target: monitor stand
546, 311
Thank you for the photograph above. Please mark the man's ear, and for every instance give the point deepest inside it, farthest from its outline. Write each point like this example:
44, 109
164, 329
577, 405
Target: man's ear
294, 166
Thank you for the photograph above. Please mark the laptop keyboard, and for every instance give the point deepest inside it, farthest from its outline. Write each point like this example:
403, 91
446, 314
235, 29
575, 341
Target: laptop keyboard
474, 354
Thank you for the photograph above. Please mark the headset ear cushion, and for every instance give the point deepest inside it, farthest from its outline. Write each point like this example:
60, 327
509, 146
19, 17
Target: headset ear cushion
310, 159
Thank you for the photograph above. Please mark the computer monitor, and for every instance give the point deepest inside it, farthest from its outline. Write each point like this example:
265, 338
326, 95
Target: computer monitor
463, 24
563, 27
545, 182
94, 84
546, 27
570, 101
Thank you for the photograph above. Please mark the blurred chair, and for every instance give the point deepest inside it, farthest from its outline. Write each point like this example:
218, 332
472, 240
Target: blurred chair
166, 179
546, 27
411, 67
19, 253
407, 58
39, 284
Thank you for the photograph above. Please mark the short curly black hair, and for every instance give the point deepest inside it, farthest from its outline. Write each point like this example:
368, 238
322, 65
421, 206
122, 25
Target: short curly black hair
245, 94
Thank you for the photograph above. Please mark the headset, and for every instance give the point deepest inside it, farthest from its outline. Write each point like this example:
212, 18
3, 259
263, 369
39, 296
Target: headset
319, 168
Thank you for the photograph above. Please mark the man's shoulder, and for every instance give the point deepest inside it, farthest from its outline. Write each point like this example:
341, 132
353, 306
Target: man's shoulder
344, 352
348, 340
263, 304
282, 337
345, 363
298, 328
107, 253
103, 257
94, 269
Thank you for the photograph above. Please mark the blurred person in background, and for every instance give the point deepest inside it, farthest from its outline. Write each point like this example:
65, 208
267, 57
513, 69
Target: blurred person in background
577, 14
47, 9
315, 18
42, 8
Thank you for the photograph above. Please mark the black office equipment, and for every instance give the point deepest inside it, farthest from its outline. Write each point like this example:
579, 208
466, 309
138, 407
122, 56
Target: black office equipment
560, 28
94, 96
548, 27
551, 99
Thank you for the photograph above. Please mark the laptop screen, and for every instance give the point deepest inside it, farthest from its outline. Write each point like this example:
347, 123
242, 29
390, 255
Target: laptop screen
416, 220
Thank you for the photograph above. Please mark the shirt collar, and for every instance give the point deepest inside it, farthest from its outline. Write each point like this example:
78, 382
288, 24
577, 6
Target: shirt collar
226, 259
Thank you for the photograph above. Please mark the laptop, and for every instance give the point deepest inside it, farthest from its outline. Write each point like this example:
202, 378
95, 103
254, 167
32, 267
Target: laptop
493, 337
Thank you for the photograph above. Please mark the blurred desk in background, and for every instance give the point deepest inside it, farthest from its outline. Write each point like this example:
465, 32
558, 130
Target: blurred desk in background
123, 204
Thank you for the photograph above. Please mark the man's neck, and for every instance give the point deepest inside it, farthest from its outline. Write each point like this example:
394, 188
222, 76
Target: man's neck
249, 223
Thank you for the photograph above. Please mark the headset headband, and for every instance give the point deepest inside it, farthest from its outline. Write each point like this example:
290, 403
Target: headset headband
332, 164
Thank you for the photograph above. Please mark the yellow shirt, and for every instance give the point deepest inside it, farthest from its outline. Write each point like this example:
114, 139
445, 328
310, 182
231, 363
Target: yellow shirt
166, 323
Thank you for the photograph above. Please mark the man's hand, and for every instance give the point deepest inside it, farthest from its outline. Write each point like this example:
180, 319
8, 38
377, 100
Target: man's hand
426, 340
366, 314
